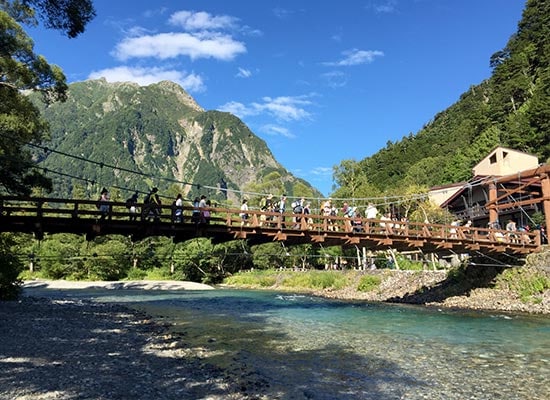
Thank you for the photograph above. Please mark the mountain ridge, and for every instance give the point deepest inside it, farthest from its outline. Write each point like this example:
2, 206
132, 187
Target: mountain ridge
163, 134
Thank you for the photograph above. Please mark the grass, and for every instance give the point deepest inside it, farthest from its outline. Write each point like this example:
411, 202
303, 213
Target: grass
528, 284
308, 280
368, 283
316, 280
253, 278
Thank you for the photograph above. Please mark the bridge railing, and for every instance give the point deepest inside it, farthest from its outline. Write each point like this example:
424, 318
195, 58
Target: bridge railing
375, 227
232, 218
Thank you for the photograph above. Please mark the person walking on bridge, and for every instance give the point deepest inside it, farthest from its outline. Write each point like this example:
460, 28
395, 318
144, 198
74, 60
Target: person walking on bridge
152, 207
104, 203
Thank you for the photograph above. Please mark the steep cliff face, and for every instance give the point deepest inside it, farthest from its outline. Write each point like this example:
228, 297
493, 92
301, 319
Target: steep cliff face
155, 135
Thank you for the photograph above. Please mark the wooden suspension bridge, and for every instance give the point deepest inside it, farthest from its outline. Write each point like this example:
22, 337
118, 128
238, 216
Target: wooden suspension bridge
55, 215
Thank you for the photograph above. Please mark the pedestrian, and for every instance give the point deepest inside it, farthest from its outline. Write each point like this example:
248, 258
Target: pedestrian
206, 212
153, 205
104, 203
281, 207
244, 212
131, 205
371, 212
178, 208
202, 206
196, 214
306, 212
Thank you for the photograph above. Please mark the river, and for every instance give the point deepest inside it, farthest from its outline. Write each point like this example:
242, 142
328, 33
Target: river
304, 347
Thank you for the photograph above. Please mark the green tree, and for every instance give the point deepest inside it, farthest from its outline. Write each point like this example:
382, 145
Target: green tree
269, 255
193, 259
10, 267
228, 258
107, 259
57, 254
22, 70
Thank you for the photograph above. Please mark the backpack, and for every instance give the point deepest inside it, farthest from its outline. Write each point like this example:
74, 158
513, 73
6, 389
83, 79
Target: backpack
98, 204
129, 203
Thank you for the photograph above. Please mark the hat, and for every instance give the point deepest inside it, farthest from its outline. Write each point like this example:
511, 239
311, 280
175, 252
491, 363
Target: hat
269, 196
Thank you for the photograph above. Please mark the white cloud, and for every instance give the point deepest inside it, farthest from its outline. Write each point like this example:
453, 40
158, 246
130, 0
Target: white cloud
147, 76
335, 79
244, 73
385, 7
238, 109
321, 171
355, 57
282, 13
171, 45
276, 130
198, 21
284, 108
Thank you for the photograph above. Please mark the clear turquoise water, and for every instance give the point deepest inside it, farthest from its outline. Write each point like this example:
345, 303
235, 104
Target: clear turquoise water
311, 348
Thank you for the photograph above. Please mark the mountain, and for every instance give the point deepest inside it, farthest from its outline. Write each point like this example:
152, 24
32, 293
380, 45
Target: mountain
129, 137
511, 108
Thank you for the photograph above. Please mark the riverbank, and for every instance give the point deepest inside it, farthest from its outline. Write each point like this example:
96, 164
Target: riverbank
65, 348
524, 290
62, 348
438, 289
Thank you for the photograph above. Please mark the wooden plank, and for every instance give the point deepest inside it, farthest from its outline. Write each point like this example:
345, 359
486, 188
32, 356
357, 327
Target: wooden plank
415, 243
495, 201
353, 240
280, 236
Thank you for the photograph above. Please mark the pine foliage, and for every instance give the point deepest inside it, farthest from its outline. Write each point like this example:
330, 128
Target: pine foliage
511, 108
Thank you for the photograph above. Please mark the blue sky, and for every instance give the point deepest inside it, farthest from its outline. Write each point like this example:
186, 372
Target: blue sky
319, 81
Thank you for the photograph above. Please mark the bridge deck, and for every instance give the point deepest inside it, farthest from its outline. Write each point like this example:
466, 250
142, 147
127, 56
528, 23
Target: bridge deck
46, 215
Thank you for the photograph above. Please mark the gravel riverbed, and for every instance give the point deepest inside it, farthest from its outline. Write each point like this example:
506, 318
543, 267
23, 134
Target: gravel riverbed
62, 348
71, 349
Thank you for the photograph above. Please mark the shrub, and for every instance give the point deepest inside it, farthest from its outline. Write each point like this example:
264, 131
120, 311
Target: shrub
406, 264
159, 274
368, 283
10, 266
528, 284
316, 280
253, 278
136, 274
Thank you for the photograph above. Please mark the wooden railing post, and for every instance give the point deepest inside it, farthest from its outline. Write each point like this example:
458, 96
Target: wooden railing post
545, 184
493, 213
538, 239
39, 211
75, 210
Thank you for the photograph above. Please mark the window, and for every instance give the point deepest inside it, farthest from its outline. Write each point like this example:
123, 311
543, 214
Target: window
493, 158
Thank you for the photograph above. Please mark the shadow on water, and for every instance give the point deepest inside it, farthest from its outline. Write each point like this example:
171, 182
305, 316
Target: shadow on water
459, 283
97, 351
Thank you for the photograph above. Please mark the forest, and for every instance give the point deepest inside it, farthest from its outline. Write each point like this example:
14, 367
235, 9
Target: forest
511, 109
